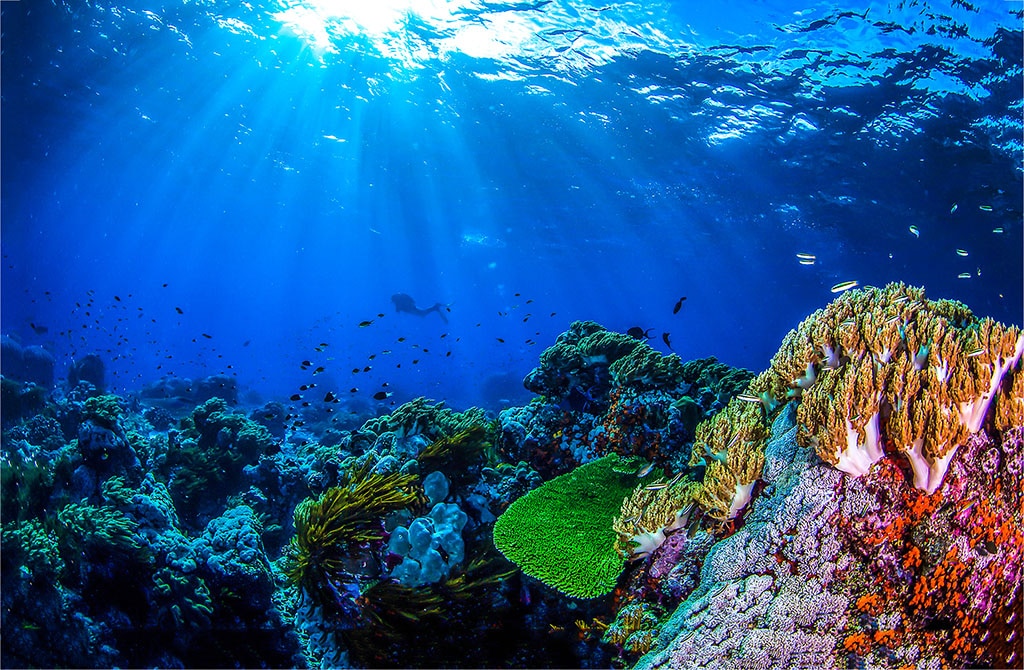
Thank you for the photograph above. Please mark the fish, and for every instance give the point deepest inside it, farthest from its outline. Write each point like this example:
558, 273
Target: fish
330, 397
978, 351
209, 337
295, 396
806, 261
656, 487
646, 470
381, 395
364, 324
806, 257
665, 337
178, 310
638, 333
39, 330
953, 208
997, 231
367, 368
355, 371
354, 389
679, 305
497, 338
746, 397
964, 275
961, 252
985, 208
405, 303
914, 231
844, 286
318, 370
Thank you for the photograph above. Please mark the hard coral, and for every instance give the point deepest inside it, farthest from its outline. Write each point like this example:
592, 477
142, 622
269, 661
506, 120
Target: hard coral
561, 533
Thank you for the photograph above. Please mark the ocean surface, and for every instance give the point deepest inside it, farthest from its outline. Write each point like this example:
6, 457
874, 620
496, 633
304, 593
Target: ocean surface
276, 171
321, 210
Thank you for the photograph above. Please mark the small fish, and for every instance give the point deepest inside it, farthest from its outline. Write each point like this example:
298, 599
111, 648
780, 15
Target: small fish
806, 261
364, 324
679, 305
746, 397
806, 257
497, 338
656, 487
39, 330
985, 208
665, 337
306, 387
354, 389
964, 275
178, 310
329, 397
209, 337
639, 333
975, 352
997, 231
381, 395
844, 286
295, 396
355, 371
318, 370
367, 368
914, 231
646, 470
961, 252
676, 479
401, 339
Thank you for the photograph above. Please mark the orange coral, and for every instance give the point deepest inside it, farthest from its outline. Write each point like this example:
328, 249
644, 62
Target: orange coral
857, 643
870, 604
886, 638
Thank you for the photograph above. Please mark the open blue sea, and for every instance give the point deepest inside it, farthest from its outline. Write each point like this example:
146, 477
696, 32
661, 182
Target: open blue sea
342, 205
276, 171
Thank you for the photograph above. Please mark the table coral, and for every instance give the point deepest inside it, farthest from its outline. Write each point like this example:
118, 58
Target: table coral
561, 533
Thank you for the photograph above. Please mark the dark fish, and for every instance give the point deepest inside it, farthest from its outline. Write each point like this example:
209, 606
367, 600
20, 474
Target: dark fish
401, 339
178, 310
165, 285
353, 390
500, 340
295, 396
355, 370
448, 354
304, 387
39, 330
415, 361
318, 370
679, 305
405, 303
246, 343
367, 368
304, 364
117, 298
329, 397
209, 337
381, 395
636, 332
666, 340
364, 324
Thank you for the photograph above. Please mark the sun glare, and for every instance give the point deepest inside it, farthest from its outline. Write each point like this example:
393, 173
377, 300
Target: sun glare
389, 25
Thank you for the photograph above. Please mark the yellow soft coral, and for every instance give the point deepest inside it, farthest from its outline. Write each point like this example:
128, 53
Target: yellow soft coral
888, 365
727, 487
649, 513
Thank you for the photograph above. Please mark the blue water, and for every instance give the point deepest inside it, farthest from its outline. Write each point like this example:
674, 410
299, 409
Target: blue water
276, 171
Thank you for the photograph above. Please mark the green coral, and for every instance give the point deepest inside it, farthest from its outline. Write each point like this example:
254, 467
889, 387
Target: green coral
103, 410
561, 533
645, 368
606, 347
185, 597
419, 416
86, 530
31, 546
